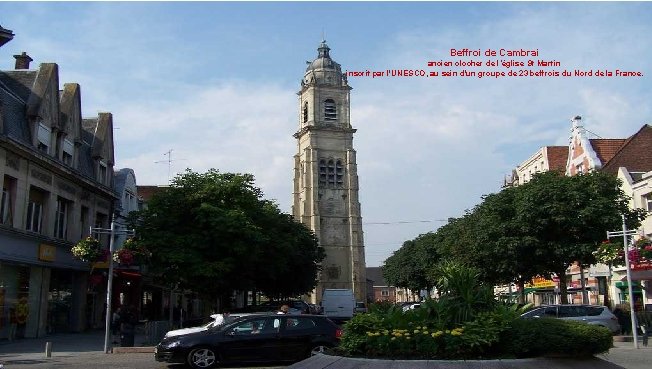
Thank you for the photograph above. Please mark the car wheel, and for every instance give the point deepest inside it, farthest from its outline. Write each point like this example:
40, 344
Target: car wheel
202, 358
318, 350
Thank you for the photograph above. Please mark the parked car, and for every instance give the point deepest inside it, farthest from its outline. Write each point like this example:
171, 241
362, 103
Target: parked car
590, 314
411, 306
295, 306
253, 338
315, 309
216, 319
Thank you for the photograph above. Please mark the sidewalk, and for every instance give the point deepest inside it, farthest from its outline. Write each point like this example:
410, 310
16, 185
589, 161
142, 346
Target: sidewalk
64, 344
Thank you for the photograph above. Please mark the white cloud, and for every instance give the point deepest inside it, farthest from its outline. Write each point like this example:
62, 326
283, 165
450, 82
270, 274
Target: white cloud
427, 149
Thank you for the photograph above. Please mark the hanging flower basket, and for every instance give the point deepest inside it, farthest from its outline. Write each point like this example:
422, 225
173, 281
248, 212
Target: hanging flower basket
89, 250
124, 256
132, 253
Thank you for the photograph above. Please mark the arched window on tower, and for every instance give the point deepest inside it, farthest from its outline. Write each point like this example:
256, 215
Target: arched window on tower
322, 172
331, 173
330, 110
339, 173
305, 112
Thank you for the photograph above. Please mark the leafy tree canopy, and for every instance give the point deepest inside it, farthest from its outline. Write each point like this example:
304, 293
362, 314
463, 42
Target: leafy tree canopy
539, 228
214, 233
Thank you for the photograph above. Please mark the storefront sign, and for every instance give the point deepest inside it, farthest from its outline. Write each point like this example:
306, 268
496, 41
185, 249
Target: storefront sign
46, 252
101, 265
540, 282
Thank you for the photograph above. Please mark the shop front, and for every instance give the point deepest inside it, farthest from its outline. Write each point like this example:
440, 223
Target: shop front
42, 289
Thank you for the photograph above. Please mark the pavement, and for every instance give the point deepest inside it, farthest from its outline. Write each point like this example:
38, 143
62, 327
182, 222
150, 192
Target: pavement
65, 344
91, 344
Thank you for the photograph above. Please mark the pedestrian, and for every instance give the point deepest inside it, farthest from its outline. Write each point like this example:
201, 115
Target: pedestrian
115, 323
623, 319
284, 309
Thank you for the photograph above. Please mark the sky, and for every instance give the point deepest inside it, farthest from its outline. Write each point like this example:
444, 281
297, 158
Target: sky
216, 83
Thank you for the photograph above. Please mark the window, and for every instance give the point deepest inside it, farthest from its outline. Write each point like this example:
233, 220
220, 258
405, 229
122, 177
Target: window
330, 110
83, 222
43, 137
68, 151
7, 204
5, 209
384, 292
101, 175
61, 218
299, 323
305, 112
571, 311
35, 210
339, 173
331, 173
579, 169
100, 222
256, 326
129, 202
322, 172
647, 201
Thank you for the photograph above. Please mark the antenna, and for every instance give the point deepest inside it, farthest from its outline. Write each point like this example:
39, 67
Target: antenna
169, 161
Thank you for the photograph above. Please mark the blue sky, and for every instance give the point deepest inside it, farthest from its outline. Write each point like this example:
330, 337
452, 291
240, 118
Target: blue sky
217, 83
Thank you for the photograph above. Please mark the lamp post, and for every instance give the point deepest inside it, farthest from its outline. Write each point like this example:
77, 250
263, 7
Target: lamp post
112, 232
632, 314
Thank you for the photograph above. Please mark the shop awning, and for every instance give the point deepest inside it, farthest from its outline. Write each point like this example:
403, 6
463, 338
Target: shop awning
132, 274
624, 286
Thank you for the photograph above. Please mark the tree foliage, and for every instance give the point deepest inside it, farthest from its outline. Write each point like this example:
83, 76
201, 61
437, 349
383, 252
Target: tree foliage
214, 233
408, 266
536, 229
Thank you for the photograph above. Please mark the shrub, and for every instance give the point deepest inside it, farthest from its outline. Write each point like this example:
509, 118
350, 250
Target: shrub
548, 336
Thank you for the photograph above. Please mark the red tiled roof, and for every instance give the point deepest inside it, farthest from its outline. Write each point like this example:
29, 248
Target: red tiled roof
635, 153
146, 192
606, 148
557, 157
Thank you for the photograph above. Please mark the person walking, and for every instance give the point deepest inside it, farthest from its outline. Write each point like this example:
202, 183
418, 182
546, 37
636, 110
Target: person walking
115, 323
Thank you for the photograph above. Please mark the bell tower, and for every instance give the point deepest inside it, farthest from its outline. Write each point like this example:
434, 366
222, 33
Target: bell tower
326, 176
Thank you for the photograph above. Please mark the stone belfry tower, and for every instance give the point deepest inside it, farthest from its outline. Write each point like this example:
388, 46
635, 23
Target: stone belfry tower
326, 176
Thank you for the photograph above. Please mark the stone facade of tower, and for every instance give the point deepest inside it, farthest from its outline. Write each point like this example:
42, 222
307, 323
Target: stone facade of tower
325, 175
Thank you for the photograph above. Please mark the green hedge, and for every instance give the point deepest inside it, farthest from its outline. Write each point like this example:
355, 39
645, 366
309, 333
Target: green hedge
549, 336
490, 335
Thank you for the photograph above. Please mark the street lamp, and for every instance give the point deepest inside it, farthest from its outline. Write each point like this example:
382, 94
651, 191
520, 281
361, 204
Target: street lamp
112, 232
632, 314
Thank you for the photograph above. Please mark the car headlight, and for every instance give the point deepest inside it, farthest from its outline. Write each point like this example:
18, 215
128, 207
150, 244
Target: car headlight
171, 344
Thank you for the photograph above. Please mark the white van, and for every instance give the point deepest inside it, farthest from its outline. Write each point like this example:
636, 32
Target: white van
338, 304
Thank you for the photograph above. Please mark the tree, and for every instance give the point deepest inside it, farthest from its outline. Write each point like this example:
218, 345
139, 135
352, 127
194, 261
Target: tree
214, 233
570, 216
408, 266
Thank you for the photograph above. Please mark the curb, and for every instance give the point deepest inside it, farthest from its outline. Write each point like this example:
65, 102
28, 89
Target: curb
134, 350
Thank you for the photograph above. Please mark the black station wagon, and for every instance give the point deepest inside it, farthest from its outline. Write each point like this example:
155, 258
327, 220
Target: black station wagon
253, 338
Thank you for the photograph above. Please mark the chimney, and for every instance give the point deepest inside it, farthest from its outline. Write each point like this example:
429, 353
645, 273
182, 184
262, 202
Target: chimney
5, 36
22, 61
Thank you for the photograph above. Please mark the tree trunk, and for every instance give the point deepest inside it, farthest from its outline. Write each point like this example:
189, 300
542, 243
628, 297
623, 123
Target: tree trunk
585, 293
521, 295
563, 292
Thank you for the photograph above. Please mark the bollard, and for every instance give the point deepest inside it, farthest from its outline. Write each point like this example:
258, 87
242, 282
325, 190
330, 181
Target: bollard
48, 349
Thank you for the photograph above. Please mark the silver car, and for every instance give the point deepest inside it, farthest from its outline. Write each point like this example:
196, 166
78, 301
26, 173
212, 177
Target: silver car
590, 314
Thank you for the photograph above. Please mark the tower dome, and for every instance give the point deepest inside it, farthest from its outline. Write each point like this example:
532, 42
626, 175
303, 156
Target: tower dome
324, 70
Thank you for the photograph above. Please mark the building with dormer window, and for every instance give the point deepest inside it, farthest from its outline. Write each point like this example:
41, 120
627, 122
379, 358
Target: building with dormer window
57, 176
